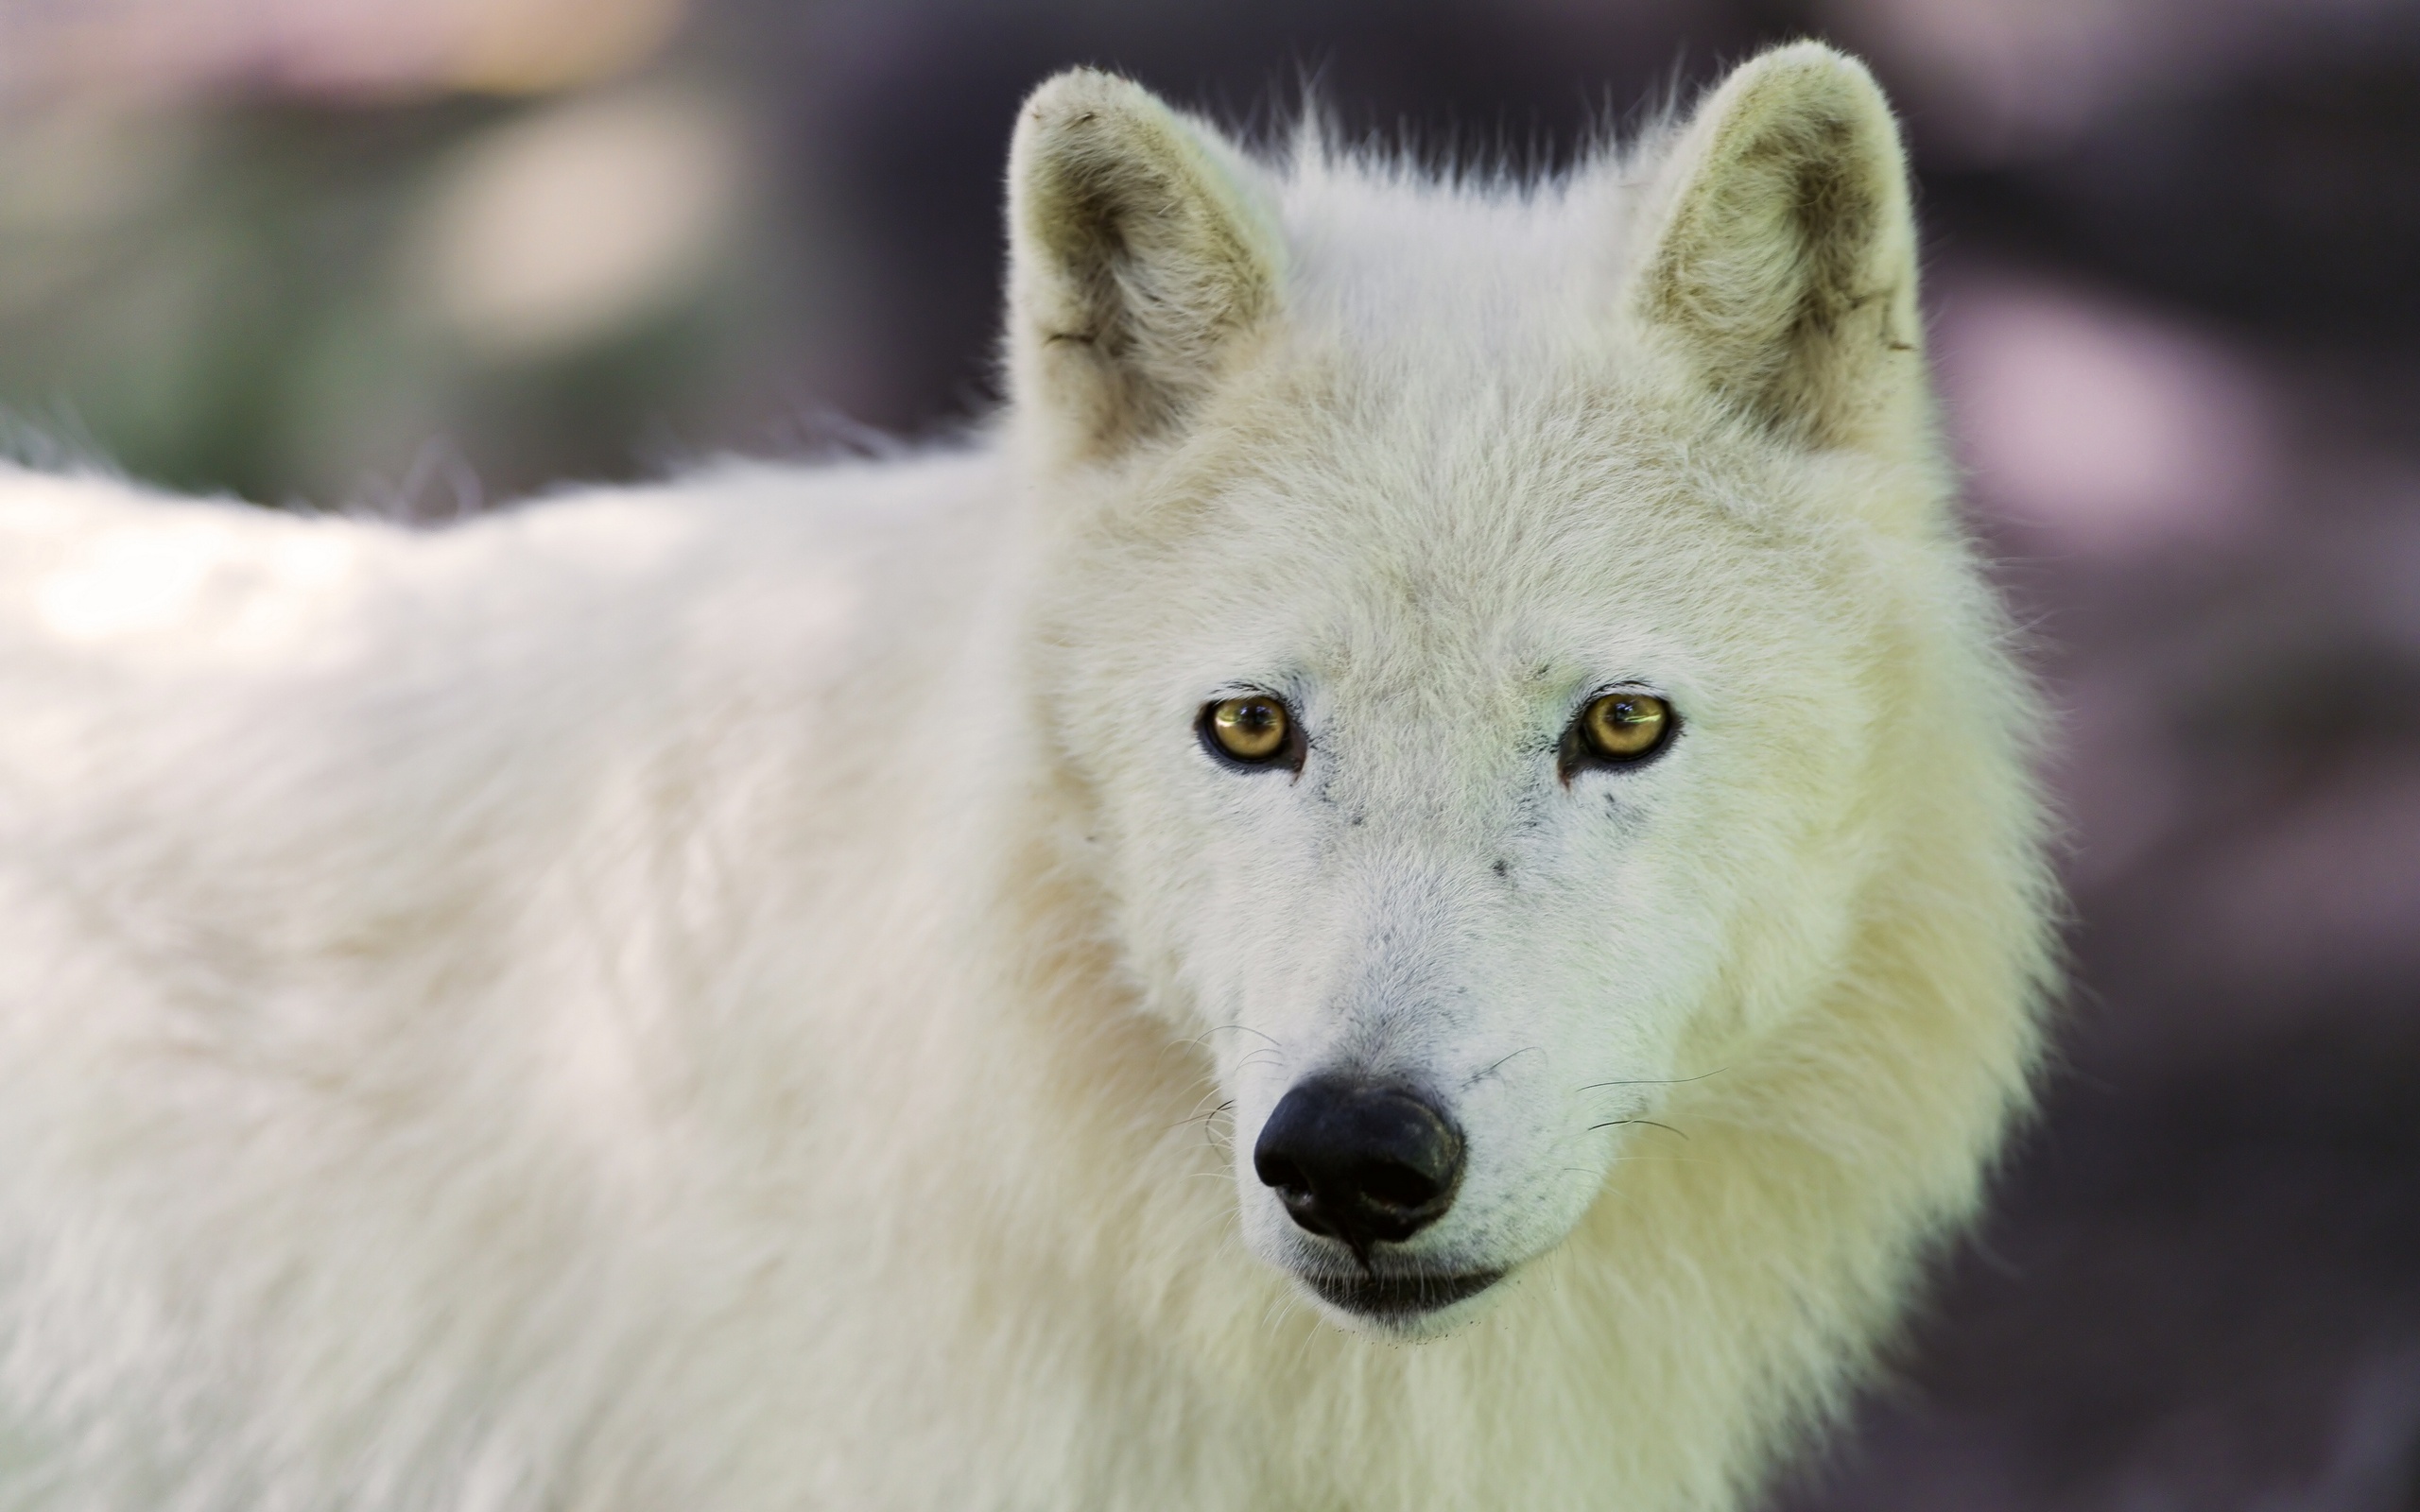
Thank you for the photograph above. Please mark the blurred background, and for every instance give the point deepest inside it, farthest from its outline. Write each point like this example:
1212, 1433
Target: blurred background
424, 254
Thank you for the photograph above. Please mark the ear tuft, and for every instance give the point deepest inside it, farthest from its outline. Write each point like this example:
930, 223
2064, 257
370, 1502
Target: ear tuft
1784, 265
1140, 251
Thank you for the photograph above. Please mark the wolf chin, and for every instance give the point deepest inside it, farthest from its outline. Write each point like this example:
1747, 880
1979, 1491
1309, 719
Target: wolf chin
1410, 885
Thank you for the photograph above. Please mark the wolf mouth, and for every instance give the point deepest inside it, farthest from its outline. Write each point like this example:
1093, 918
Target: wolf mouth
1398, 1297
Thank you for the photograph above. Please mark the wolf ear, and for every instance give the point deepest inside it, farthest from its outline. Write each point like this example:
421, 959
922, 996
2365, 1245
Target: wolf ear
1784, 265
1139, 252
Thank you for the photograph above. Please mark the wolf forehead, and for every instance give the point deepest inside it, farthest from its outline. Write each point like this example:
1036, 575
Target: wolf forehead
1476, 382
1476, 557
1504, 526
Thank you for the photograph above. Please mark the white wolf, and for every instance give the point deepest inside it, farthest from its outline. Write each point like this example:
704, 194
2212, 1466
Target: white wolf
1412, 887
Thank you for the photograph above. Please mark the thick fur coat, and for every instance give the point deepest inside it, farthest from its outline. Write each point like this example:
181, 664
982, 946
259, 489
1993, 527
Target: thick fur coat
759, 993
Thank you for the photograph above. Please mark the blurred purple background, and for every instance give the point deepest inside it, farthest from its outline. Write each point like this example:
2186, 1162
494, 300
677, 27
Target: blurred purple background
426, 253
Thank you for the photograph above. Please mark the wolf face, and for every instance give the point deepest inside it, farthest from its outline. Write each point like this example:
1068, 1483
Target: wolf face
1502, 634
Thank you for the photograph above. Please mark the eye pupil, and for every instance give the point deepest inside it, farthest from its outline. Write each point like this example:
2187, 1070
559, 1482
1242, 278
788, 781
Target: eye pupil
1625, 727
1252, 729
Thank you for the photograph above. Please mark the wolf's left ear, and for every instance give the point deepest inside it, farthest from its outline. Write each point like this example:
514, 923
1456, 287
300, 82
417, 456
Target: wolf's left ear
1784, 265
1140, 252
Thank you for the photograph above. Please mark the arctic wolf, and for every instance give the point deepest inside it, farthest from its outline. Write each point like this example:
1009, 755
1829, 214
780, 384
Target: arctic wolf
1412, 887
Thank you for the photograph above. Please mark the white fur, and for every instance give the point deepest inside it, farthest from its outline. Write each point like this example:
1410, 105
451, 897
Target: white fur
749, 994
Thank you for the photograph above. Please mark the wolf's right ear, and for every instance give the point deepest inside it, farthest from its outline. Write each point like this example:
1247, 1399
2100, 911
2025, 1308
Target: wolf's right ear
1140, 251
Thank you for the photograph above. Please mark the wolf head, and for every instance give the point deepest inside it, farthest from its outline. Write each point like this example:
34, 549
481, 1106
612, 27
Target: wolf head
1511, 642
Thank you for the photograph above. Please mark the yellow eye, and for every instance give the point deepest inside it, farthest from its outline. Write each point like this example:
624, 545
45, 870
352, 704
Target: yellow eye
1252, 729
1624, 727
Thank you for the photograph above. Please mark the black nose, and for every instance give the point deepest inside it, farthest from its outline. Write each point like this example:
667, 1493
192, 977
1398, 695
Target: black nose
1358, 1162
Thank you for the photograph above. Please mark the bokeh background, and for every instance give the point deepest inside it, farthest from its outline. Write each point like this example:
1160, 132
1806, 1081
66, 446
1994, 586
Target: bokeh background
420, 255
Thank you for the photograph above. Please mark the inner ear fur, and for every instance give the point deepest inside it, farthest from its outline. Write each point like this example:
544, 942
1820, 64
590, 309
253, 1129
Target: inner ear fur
1784, 265
1140, 252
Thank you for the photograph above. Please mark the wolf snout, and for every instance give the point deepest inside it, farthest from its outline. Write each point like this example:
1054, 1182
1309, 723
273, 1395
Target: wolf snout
1359, 1161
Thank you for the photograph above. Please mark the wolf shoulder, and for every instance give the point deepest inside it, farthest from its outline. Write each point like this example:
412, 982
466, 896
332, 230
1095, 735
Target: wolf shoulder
323, 737
167, 620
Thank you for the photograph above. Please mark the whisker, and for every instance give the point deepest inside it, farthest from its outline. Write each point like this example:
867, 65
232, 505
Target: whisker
1614, 1123
1201, 1114
1656, 1081
1492, 1070
1244, 1027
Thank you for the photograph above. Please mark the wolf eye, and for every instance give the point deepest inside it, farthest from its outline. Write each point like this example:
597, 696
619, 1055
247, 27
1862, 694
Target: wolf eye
1253, 729
1618, 729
